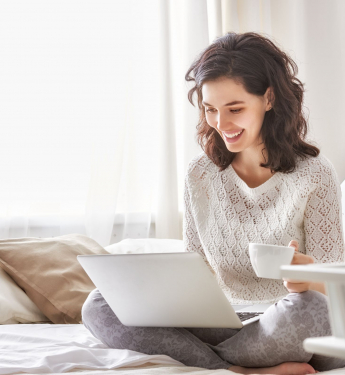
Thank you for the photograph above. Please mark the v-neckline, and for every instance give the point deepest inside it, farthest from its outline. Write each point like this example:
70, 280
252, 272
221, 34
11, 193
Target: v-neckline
268, 184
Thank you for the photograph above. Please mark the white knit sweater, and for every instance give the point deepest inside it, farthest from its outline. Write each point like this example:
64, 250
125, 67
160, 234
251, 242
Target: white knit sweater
223, 215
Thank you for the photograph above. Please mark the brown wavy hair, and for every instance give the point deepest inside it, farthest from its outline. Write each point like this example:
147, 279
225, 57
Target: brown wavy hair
257, 63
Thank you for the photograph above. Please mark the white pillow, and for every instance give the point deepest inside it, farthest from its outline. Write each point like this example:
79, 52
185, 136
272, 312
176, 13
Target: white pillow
15, 305
145, 245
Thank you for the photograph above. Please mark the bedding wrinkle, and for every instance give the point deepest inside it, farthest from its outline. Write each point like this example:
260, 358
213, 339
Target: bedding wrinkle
61, 348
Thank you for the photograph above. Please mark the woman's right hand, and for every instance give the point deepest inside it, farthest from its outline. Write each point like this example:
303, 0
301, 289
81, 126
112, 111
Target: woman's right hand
295, 286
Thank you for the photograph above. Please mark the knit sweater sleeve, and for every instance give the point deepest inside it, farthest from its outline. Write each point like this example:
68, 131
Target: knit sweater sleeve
324, 239
191, 239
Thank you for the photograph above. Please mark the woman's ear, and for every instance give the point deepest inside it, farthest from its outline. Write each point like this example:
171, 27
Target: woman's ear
269, 98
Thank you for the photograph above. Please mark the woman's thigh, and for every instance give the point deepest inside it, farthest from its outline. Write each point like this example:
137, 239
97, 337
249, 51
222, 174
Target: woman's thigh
213, 336
178, 343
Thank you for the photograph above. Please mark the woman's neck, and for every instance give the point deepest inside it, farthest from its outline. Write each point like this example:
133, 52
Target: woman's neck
248, 168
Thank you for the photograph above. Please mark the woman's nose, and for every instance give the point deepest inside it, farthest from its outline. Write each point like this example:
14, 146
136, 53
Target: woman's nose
222, 122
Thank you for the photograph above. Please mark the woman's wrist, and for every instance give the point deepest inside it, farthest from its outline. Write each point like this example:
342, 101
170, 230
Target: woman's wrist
303, 287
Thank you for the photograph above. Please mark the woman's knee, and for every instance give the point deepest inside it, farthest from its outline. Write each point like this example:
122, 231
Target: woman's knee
88, 308
94, 309
309, 310
309, 300
101, 321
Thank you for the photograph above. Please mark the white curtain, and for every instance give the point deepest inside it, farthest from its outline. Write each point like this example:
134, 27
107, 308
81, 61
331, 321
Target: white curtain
96, 128
92, 137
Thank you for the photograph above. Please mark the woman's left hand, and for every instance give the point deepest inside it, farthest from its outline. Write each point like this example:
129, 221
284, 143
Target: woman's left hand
295, 286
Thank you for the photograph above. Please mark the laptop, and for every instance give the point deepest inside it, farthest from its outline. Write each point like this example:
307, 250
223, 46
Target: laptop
165, 290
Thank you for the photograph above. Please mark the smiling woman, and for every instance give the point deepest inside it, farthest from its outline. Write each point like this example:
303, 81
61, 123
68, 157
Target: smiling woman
251, 126
264, 99
260, 181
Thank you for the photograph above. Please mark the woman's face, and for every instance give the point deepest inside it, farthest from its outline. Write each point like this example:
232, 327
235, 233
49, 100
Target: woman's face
235, 113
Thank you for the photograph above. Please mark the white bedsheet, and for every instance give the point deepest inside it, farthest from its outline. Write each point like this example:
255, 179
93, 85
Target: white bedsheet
59, 348
56, 348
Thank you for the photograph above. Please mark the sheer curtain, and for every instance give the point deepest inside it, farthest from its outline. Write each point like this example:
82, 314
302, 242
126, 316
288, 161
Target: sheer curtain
96, 128
92, 138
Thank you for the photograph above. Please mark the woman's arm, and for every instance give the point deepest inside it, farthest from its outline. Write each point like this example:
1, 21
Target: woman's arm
319, 287
323, 227
323, 224
191, 239
324, 240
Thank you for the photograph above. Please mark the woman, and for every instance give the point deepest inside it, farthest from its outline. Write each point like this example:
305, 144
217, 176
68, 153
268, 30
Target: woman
257, 180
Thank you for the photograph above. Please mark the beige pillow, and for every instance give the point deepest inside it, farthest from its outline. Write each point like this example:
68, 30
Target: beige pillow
48, 271
15, 306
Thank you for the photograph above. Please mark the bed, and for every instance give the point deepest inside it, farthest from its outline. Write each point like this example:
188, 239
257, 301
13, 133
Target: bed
60, 348
30, 342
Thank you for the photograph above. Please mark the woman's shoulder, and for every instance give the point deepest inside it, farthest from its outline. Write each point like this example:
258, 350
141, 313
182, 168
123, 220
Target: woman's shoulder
316, 170
200, 165
318, 163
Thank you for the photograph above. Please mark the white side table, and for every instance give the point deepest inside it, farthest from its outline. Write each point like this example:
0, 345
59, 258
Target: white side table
333, 275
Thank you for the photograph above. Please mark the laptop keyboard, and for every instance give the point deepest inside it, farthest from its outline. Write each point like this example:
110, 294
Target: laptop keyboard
247, 315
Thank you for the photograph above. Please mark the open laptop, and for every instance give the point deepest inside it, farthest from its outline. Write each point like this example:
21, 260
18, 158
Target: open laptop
165, 290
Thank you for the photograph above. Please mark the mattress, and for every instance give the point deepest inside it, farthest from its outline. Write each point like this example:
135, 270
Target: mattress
61, 348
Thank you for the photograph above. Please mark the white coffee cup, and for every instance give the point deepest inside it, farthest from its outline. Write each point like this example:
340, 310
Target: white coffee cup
267, 259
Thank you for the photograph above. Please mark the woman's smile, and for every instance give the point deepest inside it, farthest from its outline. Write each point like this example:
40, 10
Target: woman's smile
234, 136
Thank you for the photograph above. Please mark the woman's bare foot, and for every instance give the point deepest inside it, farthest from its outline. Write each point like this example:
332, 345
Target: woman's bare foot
286, 368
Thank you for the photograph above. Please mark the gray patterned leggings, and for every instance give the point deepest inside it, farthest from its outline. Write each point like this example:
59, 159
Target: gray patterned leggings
276, 338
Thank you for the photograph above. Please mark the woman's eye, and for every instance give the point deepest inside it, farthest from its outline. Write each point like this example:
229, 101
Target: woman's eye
211, 110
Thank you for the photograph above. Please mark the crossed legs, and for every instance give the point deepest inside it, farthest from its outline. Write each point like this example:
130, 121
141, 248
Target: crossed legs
275, 339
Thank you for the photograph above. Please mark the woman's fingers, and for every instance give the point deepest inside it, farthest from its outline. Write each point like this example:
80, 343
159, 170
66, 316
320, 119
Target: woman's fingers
298, 286
294, 244
299, 258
